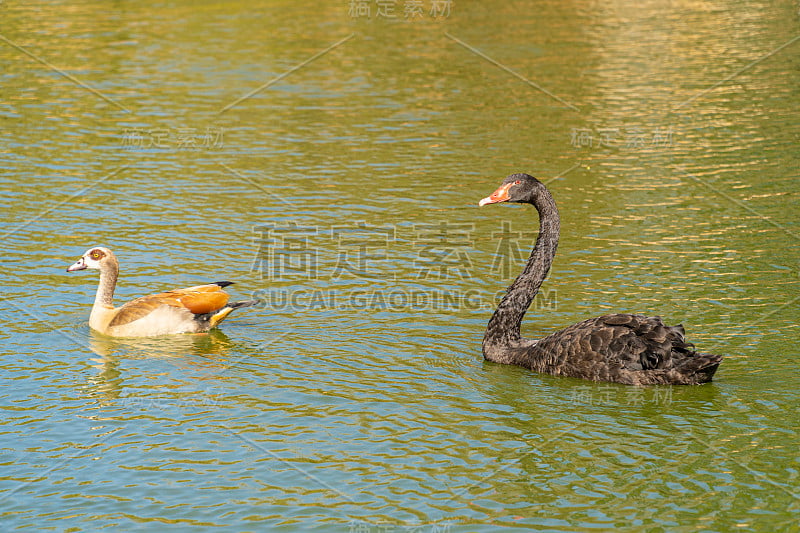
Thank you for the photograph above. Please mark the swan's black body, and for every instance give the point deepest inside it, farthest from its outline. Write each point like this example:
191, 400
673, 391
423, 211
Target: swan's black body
622, 348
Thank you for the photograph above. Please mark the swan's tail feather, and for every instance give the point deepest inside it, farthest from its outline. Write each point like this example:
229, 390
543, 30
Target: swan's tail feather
700, 367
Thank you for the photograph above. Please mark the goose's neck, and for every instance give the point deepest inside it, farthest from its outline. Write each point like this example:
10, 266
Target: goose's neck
108, 282
503, 330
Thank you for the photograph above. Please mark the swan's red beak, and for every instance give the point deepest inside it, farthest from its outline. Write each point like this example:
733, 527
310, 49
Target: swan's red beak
500, 195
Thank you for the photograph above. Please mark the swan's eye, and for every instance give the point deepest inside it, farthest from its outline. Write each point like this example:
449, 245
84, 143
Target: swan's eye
517, 182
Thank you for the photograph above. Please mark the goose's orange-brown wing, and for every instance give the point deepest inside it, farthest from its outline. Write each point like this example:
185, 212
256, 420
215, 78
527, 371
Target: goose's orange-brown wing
197, 300
200, 299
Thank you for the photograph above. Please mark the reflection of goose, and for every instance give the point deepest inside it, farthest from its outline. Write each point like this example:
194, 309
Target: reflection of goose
195, 358
630, 349
190, 310
211, 348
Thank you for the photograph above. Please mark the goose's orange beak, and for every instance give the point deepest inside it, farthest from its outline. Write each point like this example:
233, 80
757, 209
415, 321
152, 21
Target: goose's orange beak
500, 195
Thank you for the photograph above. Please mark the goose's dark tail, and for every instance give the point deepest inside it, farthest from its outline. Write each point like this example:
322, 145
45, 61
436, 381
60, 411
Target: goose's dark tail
243, 303
220, 315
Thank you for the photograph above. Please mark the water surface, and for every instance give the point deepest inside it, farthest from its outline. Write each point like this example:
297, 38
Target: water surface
343, 191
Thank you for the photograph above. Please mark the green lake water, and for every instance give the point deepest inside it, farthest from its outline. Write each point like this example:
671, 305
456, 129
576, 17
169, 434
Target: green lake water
328, 158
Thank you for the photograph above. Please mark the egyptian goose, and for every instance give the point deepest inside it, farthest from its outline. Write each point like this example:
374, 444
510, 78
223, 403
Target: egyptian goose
190, 310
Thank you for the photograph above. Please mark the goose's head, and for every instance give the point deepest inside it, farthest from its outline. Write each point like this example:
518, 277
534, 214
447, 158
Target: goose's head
515, 188
96, 258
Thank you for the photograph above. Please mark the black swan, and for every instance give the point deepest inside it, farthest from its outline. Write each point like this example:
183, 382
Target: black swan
621, 348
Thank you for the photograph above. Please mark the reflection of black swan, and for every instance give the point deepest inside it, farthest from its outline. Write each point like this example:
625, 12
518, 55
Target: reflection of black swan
630, 349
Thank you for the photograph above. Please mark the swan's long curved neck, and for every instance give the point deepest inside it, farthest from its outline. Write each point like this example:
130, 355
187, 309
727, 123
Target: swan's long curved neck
503, 330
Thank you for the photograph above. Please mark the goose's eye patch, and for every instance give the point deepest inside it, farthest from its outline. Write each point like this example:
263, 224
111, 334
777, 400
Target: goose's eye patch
96, 255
